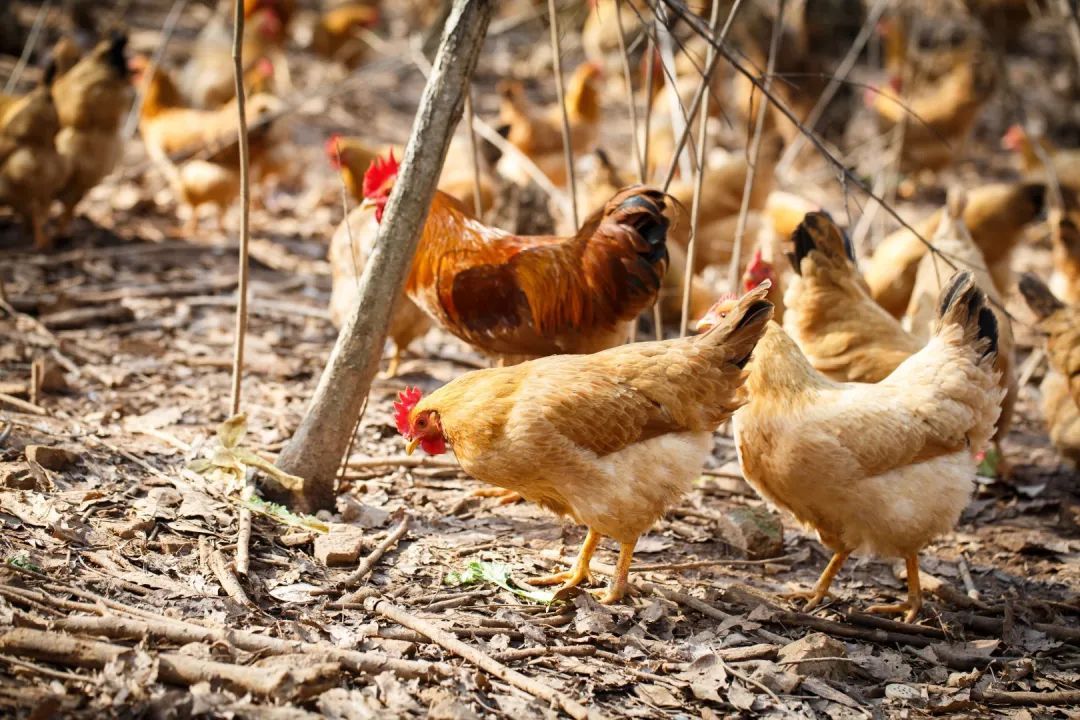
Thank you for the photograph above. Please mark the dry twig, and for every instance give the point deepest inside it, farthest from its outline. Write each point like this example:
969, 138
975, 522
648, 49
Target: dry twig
478, 658
368, 563
754, 153
560, 95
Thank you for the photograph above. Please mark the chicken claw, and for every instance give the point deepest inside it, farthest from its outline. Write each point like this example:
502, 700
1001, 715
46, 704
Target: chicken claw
506, 497
820, 590
577, 574
911, 607
620, 583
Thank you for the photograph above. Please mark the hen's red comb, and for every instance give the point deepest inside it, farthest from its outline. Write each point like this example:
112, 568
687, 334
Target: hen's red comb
406, 401
333, 150
381, 170
1013, 138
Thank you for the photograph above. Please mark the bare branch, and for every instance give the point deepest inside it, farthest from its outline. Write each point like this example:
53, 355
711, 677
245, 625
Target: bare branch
560, 94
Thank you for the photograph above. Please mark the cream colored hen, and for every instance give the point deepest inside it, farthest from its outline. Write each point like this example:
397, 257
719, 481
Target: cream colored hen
883, 467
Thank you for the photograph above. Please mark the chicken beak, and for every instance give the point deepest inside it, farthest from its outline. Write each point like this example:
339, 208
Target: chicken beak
411, 445
367, 204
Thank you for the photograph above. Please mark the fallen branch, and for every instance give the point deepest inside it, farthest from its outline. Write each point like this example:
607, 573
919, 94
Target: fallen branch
402, 461
182, 632
225, 577
282, 683
82, 316
535, 652
698, 564
994, 626
369, 562
1016, 697
23, 405
478, 658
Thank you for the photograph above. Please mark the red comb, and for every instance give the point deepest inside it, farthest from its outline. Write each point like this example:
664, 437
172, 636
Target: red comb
1013, 137
265, 66
406, 401
381, 170
333, 150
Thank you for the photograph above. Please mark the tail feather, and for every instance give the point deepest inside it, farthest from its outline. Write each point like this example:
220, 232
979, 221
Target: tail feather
741, 325
115, 54
963, 303
1038, 296
818, 232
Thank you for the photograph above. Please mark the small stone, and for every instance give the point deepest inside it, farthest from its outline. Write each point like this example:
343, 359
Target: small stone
50, 458
340, 546
800, 656
755, 530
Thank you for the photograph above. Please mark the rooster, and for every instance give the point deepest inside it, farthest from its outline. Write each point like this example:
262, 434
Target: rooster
535, 295
883, 467
611, 440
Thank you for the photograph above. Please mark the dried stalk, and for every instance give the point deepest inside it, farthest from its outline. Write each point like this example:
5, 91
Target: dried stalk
695, 104
243, 536
28, 47
1072, 20
791, 152
474, 152
172, 667
630, 104
702, 31
485, 662
131, 123
316, 448
755, 153
560, 94
181, 632
245, 204
699, 178
680, 120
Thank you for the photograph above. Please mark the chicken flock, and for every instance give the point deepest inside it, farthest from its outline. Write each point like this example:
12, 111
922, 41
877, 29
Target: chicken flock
863, 386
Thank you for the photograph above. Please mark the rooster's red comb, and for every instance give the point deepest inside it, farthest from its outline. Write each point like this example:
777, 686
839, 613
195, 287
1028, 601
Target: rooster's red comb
406, 401
381, 170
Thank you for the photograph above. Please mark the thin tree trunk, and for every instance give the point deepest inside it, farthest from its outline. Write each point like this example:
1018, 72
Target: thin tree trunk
316, 448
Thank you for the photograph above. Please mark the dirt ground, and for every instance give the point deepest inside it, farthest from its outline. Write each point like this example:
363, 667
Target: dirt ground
117, 550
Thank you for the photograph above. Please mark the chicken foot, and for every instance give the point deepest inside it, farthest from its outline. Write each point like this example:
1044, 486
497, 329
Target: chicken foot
820, 591
620, 582
911, 607
579, 572
506, 497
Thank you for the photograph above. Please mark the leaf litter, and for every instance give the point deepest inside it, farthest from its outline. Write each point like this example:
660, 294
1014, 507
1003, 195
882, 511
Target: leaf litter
127, 533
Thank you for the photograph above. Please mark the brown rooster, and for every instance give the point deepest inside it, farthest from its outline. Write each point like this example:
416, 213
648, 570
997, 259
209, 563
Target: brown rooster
535, 295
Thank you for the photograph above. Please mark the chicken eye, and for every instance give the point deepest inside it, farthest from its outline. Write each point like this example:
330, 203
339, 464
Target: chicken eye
422, 422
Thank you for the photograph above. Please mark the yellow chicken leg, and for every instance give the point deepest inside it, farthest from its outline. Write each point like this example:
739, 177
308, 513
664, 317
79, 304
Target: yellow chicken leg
506, 497
821, 588
579, 572
621, 582
395, 361
914, 602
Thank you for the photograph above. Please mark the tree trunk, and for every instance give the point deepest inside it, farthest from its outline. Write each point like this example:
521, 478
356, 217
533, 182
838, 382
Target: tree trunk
316, 449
